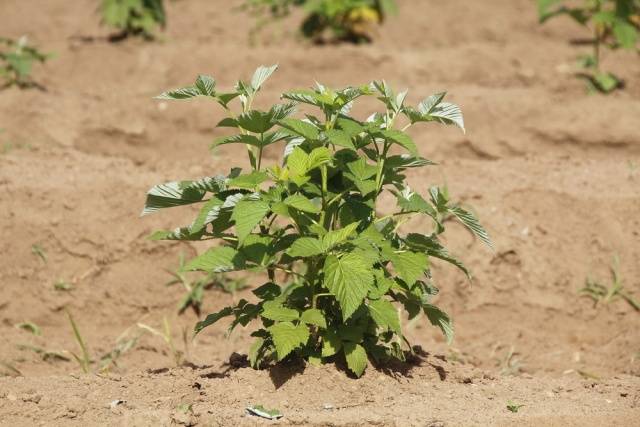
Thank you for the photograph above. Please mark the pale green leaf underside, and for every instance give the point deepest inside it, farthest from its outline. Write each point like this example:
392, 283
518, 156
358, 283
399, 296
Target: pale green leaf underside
468, 219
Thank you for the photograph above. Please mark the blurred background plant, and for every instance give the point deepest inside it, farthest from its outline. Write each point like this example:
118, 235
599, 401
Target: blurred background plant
614, 24
345, 20
134, 17
16, 61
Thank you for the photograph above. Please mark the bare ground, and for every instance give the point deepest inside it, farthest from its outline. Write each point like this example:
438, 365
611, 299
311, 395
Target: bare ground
548, 168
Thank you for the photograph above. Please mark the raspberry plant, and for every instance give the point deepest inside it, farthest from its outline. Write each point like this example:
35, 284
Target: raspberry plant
336, 270
346, 20
614, 24
134, 17
16, 62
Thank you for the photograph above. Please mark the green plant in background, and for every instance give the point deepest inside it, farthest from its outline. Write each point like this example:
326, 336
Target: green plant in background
601, 294
614, 23
337, 270
16, 61
134, 17
347, 20
195, 289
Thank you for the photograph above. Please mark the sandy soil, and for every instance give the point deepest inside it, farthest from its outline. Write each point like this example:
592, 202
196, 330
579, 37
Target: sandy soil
549, 169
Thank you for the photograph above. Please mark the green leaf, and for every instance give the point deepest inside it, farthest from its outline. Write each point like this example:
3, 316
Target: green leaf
362, 174
429, 104
385, 315
331, 343
433, 248
254, 352
301, 128
313, 316
625, 33
298, 161
170, 194
348, 278
406, 161
448, 114
213, 318
250, 181
305, 96
400, 138
414, 202
257, 249
216, 209
274, 310
318, 157
206, 85
440, 319
182, 93
217, 260
472, 223
301, 203
287, 337
606, 82
335, 237
180, 233
410, 266
261, 75
340, 138
236, 139
356, 357
361, 170
255, 121
305, 247
247, 214
35, 329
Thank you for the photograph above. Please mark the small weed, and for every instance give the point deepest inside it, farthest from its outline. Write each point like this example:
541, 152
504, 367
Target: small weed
39, 251
511, 363
63, 285
633, 169
9, 370
165, 334
124, 343
84, 360
16, 61
10, 146
588, 375
513, 407
195, 289
601, 294
47, 355
185, 408
30, 327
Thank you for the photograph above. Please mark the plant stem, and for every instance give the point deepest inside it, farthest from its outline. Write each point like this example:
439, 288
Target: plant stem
316, 296
323, 172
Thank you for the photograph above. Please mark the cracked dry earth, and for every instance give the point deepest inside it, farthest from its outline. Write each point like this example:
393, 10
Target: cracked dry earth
548, 168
